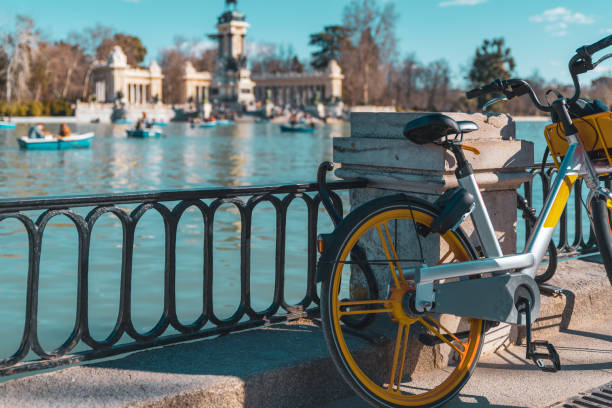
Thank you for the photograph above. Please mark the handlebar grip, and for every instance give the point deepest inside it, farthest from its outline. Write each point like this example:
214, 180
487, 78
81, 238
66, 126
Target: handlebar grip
496, 86
599, 45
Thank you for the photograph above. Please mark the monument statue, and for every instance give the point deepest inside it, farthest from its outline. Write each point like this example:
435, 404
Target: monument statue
229, 2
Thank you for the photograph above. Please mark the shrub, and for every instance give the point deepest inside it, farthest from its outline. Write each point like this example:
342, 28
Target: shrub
35, 108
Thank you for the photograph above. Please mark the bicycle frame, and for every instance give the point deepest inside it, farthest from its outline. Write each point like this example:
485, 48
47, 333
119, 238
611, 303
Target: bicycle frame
576, 163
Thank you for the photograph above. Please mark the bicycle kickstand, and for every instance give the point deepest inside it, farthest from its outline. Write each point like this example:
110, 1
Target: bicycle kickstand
538, 350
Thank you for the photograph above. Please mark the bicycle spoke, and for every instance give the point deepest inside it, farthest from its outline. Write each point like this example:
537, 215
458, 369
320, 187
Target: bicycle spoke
443, 257
451, 334
397, 264
443, 338
362, 303
390, 262
401, 342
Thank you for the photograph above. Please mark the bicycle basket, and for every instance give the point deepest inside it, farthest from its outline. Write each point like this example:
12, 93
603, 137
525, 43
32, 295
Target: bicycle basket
594, 131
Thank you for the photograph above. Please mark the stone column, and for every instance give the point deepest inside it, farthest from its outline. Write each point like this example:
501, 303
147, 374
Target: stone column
378, 151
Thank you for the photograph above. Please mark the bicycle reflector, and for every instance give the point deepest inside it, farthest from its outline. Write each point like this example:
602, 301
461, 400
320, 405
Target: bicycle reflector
322, 242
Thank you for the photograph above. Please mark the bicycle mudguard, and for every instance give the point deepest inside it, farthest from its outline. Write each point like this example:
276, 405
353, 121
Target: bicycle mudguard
494, 298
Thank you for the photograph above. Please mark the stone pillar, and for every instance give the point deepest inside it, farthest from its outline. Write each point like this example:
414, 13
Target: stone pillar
378, 151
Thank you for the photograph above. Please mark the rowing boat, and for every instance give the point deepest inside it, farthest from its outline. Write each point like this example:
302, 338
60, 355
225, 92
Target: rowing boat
52, 143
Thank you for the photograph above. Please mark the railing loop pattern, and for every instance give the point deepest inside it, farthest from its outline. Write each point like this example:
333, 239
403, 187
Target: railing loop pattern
245, 316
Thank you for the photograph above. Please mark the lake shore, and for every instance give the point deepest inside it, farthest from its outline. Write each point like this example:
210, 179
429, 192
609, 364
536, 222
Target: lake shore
531, 118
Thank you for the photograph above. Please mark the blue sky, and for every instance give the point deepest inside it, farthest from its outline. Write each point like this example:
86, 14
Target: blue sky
542, 34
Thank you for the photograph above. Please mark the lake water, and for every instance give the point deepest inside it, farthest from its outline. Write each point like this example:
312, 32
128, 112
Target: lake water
240, 155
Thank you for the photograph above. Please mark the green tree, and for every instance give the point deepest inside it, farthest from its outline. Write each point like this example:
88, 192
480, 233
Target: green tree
331, 42
492, 60
131, 46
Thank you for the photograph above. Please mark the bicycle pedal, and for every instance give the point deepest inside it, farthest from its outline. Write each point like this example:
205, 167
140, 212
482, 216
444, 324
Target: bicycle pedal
543, 350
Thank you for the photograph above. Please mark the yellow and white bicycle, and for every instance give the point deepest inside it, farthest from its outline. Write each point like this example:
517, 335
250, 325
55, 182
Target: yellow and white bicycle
406, 298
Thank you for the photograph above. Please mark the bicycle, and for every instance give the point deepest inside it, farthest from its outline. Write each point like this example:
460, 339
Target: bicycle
399, 274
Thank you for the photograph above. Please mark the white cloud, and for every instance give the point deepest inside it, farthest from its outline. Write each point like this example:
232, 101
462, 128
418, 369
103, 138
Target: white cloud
558, 19
606, 30
253, 49
561, 14
131, 1
196, 48
460, 3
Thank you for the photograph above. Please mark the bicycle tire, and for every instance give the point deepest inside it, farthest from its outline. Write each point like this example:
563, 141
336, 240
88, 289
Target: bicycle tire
362, 365
603, 231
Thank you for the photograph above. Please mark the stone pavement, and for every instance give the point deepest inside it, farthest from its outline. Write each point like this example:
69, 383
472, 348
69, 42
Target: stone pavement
289, 366
506, 380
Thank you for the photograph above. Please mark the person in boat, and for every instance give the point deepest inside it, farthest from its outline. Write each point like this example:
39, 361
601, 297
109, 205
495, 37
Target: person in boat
293, 120
64, 130
142, 122
38, 132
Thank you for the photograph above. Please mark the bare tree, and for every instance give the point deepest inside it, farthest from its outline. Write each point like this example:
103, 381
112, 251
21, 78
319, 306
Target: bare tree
405, 80
371, 29
23, 49
67, 65
436, 83
90, 40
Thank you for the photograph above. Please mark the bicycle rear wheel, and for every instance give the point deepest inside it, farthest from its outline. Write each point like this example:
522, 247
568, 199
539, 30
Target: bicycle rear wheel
402, 358
603, 231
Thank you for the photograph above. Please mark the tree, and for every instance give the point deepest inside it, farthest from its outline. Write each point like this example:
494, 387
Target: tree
275, 59
296, 65
4, 63
372, 48
404, 83
23, 47
331, 42
90, 40
206, 61
173, 61
436, 81
492, 60
67, 65
601, 88
131, 46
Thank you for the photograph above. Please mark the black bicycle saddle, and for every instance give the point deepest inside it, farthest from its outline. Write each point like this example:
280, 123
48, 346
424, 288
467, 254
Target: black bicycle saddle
434, 126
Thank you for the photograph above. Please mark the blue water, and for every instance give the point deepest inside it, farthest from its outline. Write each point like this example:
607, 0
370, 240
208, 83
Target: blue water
240, 155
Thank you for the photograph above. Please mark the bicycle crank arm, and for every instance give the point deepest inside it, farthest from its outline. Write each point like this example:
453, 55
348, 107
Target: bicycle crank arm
493, 298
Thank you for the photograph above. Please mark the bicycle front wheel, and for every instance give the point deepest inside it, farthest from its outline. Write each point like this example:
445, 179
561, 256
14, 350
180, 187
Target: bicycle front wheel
402, 358
603, 231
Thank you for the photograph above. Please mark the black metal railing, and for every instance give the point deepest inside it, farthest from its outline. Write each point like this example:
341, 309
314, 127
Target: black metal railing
245, 200
570, 242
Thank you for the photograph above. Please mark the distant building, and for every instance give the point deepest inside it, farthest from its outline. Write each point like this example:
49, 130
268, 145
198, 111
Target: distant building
301, 89
231, 81
117, 81
194, 85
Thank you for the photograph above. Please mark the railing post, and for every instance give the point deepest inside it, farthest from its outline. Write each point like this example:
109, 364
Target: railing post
378, 151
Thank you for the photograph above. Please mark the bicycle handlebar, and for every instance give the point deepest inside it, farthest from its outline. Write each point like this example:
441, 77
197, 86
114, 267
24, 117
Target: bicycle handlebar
596, 46
578, 64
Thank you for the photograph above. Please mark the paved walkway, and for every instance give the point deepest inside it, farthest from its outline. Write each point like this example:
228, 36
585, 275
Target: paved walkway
288, 365
506, 380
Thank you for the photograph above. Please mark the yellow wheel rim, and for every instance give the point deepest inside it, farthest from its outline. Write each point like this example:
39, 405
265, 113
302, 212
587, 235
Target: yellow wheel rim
467, 350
